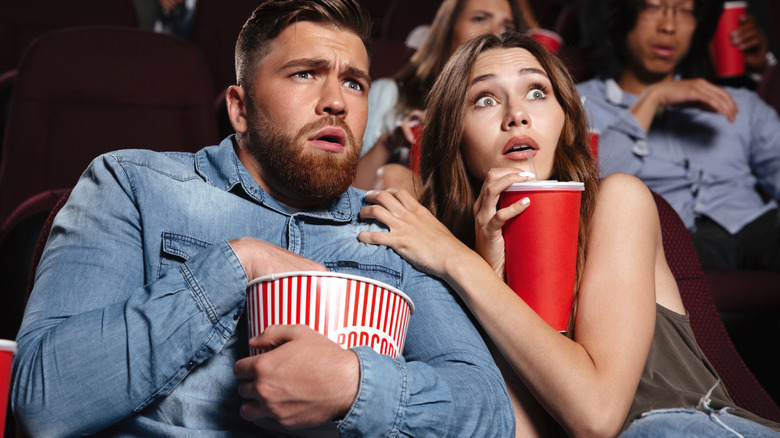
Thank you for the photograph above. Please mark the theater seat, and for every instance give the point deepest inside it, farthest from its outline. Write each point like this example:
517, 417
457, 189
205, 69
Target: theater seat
21, 21
84, 91
707, 326
21, 245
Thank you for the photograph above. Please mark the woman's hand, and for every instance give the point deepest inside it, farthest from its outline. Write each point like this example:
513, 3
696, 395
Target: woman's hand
402, 135
415, 118
488, 220
415, 233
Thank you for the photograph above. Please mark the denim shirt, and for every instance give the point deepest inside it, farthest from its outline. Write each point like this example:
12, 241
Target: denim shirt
697, 160
135, 321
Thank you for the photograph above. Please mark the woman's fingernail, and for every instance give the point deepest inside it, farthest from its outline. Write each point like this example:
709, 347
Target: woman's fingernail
525, 201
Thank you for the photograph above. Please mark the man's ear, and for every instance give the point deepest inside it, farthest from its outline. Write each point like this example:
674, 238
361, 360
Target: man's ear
235, 99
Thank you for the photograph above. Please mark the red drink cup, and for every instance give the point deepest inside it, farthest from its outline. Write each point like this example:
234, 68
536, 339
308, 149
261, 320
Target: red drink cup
729, 60
549, 39
7, 351
348, 309
594, 143
541, 246
414, 150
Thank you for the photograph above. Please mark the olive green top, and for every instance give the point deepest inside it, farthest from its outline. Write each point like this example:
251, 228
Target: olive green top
678, 375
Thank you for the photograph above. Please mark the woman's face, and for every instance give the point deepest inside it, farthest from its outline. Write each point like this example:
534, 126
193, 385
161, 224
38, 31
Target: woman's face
480, 17
510, 109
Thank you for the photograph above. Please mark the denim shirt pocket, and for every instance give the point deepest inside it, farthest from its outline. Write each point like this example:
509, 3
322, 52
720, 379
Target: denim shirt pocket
375, 271
177, 249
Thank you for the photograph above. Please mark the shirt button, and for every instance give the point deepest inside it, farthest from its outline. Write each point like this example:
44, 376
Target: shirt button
190, 365
236, 315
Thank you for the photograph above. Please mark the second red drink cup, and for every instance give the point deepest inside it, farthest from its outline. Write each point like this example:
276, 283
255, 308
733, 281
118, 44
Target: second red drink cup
541, 246
729, 60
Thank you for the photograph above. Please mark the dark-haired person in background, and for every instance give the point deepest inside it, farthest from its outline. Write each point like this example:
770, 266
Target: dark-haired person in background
712, 152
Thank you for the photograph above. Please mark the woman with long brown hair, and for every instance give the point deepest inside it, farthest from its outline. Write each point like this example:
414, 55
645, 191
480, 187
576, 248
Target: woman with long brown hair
629, 363
396, 104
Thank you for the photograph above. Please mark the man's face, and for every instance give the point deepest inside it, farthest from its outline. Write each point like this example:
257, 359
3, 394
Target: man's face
662, 36
307, 114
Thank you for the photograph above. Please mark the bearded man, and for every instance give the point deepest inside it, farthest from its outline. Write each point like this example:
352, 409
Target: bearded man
135, 325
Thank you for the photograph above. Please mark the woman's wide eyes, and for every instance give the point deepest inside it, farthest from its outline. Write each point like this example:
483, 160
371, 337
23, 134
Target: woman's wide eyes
486, 101
535, 94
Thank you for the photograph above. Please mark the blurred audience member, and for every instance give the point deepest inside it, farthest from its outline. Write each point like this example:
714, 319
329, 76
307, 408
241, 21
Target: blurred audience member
712, 152
176, 17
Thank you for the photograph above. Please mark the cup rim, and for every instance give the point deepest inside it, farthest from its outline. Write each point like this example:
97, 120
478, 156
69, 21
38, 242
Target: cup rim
280, 275
546, 32
8, 345
546, 185
734, 4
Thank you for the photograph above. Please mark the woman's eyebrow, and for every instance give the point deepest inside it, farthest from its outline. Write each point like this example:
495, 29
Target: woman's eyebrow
521, 72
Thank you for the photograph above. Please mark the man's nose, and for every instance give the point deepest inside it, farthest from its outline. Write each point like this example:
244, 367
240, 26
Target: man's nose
331, 100
668, 20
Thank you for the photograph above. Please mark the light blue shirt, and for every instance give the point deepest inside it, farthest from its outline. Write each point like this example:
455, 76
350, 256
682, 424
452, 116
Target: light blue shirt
382, 115
135, 322
697, 160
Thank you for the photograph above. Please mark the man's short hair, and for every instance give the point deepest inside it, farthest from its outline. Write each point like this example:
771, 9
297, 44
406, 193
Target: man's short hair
273, 16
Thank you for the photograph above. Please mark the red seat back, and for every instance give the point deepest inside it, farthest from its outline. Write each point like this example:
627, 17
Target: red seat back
215, 31
21, 21
707, 326
402, 16
85, 91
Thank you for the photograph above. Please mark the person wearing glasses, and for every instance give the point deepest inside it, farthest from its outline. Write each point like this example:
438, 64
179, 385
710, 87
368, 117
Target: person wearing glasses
713, 152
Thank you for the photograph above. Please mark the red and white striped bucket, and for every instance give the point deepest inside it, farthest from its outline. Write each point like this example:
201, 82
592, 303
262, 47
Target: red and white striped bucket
348, 309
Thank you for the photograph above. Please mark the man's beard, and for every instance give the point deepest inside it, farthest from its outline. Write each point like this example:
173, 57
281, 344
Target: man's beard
294, 170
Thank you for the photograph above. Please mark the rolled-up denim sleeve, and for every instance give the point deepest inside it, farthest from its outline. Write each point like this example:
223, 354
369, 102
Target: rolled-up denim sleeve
101, 337
446, 383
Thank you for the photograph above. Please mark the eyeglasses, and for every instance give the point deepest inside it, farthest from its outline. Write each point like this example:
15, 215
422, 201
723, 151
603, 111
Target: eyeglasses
655, 11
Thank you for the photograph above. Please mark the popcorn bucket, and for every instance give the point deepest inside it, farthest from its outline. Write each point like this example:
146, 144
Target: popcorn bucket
347, 309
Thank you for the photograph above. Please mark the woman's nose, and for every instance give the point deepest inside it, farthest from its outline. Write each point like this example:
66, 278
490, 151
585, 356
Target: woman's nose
515, 117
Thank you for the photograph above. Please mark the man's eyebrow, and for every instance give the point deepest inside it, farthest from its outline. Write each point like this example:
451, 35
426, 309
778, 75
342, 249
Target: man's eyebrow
309, 63
358, 74
522, 71
320, 63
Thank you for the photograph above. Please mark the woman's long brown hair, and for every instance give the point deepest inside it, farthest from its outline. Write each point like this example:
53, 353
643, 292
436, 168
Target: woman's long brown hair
449, 191
418, 75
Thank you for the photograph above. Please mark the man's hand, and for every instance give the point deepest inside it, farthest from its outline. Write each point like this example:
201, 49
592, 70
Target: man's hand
697, 93
261, 258
304, 380
751, 40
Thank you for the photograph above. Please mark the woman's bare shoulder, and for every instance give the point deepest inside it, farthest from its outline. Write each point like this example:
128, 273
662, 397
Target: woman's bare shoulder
621, 190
